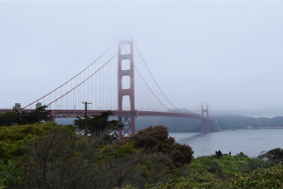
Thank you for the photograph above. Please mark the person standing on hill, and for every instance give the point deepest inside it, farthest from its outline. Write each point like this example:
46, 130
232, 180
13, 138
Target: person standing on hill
219, 154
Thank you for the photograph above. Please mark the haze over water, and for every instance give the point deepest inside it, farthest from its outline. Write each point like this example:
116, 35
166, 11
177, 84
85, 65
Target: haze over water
250, 142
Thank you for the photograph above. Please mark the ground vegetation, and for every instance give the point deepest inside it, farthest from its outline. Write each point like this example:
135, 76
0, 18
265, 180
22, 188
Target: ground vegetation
48, 155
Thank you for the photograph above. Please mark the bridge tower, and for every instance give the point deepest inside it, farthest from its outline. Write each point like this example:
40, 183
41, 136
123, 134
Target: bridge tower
205, 121
126, 69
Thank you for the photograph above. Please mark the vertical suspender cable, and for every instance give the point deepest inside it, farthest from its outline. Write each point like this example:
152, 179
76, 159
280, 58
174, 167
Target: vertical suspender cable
71, 78
154, 79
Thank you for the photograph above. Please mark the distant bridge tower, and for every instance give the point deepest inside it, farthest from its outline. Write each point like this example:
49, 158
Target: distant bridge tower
126, 72
205, 122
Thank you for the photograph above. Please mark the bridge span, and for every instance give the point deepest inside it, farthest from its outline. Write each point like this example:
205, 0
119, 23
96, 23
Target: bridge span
110, 81
62, 113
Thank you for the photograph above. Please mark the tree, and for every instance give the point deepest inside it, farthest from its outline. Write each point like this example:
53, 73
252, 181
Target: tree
156, 140
37, 115
62, 159
99, 125
9, 118
23, 118
272, 157
14, 139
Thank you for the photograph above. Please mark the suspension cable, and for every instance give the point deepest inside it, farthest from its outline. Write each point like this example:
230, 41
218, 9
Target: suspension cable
155, 79
72, 77
83, 80
150, 88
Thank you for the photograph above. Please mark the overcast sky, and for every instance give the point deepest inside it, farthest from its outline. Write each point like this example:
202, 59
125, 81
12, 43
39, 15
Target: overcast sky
226, 54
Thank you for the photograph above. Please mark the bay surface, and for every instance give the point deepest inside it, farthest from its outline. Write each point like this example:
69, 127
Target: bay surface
250, 142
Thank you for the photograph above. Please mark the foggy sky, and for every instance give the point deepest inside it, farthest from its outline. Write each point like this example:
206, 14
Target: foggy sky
226, 54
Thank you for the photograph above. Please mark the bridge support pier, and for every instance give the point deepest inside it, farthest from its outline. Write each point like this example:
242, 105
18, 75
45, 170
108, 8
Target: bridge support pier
129, 125
126, 70
205, 122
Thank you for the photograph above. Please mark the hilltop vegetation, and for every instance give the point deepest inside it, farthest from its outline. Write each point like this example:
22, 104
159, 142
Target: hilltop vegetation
48, 155
229, 172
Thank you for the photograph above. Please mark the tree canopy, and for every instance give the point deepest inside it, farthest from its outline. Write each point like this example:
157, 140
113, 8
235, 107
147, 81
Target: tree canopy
100, 125
156, 140
48, 155
273, 156
23, 118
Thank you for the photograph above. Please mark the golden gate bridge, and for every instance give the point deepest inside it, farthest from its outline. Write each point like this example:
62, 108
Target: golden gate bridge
110, 83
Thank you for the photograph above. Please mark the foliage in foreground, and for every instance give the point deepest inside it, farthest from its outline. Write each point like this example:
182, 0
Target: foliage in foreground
156, 140
272, 157
14, 144
47, 155
60, 160
14, 139
225, 167
237, 171
55, 156
10, 175
262, 178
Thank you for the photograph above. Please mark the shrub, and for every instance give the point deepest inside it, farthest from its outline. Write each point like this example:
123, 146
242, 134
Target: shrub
157, 140
14, 139
10, 175
261, 178
61, 159
272, 157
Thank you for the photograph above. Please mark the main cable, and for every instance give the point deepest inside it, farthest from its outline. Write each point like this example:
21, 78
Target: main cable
83, 80
71, 78
155, 79
150, 88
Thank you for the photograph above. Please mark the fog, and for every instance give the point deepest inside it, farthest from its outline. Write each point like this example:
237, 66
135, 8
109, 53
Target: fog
222, 53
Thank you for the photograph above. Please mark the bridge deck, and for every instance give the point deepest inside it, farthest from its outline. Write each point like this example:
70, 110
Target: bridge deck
80, 113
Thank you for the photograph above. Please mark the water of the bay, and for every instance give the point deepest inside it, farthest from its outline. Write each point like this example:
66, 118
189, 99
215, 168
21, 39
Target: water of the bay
250, 142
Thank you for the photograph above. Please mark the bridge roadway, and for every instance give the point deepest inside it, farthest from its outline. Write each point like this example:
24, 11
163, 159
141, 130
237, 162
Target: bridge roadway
80, 113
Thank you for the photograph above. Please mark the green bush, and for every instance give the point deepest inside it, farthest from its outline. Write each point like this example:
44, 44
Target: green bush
272, 157
156, 140
227, 166
14, 139
61, 159
261, 178
204, 180
10, 175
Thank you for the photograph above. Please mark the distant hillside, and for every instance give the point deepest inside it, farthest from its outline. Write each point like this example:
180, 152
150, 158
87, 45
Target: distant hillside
172, 124
241, 122
223, 122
